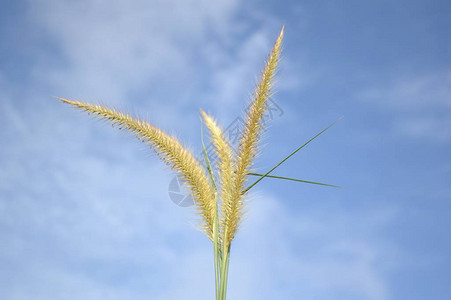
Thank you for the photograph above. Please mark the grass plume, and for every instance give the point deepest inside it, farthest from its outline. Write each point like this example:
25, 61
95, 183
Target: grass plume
224, 154
248, 146
170, 150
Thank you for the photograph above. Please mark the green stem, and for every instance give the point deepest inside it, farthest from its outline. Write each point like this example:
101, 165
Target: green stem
226, 276
216, 217
224, 273
216, 251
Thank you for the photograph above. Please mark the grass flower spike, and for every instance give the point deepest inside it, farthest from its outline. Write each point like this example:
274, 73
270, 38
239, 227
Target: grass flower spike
248, 146
225, 157
170, 150
219, 199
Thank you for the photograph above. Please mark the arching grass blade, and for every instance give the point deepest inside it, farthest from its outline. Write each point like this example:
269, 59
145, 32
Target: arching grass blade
290, 155
294, 179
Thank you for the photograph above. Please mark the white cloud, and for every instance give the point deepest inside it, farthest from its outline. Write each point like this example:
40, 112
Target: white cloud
112, 48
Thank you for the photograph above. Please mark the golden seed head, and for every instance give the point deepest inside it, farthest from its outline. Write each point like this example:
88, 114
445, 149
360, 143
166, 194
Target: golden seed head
224, 153
248, 146
170, 150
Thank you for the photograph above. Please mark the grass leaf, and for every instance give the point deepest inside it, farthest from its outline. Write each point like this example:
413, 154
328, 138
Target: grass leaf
290, 155
294, 179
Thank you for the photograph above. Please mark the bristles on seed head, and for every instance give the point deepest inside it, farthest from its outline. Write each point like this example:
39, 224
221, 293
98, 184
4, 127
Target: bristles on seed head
248, 146
224, 153
170, 150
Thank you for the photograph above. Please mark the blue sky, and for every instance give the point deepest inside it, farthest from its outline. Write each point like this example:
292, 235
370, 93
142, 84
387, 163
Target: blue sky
85, 211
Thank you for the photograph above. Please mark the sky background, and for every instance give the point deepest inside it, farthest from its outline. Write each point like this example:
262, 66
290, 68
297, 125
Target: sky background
85, 211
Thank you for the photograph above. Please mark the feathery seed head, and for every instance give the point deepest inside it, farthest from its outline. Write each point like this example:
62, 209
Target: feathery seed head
170, 151
224, 154
249, 141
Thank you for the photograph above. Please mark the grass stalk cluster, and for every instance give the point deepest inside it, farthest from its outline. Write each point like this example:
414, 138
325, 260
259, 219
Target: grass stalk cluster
219, 199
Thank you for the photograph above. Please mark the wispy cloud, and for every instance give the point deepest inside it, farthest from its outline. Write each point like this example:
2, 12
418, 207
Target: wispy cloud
110, 49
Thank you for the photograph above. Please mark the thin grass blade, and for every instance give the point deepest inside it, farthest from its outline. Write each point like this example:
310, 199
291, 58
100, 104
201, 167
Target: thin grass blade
290, 155
294, 179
